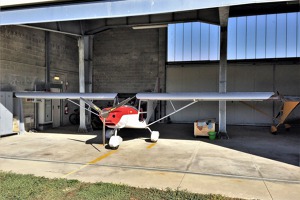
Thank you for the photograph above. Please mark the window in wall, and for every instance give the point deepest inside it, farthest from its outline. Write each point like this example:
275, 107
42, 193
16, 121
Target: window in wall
251, 37
193, 41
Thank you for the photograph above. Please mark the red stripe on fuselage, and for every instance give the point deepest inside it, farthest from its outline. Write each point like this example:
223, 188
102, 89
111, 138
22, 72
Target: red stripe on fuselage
115, 116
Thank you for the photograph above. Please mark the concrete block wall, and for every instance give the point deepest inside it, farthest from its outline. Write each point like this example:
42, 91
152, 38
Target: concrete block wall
63, 54
128, 61
22, 61
22, 58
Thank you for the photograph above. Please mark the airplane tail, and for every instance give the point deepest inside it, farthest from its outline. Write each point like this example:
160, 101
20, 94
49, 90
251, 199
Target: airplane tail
289, 103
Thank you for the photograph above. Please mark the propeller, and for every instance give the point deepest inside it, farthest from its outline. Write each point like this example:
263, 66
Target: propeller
105, 113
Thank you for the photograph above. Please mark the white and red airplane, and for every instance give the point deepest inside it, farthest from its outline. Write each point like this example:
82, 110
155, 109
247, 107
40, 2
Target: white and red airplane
137, 115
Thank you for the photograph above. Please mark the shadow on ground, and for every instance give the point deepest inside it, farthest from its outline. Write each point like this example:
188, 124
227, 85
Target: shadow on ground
283, 147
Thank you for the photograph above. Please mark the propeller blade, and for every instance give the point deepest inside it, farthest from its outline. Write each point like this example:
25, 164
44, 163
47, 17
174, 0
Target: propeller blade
92, 105
121, 104
105, 113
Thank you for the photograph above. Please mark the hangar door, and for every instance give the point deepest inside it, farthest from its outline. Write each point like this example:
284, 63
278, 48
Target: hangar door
204, 78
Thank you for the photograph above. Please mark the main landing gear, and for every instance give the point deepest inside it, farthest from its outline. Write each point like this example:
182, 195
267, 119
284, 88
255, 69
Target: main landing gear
154, 135
274, 128
115, 140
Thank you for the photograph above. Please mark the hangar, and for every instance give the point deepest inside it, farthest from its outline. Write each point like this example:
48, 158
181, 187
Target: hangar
124, 46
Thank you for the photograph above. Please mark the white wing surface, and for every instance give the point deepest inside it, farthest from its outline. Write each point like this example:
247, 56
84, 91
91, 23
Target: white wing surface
206, 96
53, 95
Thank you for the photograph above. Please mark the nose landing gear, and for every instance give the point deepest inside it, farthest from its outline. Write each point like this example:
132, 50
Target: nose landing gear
114, 139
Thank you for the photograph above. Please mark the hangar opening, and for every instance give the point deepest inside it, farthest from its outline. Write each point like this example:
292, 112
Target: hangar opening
127, 53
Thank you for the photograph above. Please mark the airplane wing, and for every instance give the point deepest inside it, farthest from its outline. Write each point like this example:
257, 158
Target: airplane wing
53, 95
207, 96
291, 98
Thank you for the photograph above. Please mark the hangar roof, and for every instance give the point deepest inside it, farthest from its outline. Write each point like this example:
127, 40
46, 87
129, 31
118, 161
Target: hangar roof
91, 17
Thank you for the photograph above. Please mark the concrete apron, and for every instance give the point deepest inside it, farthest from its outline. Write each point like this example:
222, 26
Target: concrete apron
197, 165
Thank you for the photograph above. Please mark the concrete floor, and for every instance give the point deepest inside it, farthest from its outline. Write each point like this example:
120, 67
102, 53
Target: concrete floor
252, 164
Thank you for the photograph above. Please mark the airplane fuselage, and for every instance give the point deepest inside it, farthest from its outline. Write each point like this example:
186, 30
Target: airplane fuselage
124, 117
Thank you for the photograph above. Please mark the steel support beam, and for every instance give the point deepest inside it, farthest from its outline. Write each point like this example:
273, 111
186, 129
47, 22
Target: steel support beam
82, 126
85, 48
223, 14
88, 67
111, 9
88, 62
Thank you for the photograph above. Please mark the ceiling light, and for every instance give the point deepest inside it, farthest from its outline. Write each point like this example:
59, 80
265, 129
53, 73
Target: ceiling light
150, 26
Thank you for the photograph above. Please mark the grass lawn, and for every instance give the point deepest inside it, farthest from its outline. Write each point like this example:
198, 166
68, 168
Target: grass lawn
17, 186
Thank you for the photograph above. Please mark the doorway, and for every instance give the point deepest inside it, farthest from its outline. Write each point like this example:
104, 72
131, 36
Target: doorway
56, 109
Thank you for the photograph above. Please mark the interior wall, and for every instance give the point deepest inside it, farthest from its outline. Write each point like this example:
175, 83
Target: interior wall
192, 78
128, 61
22, 61
64, 62
246, 77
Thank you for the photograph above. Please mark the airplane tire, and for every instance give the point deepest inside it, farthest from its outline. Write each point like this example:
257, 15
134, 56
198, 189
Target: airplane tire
273, 130
115, 148
154, 136
114, 142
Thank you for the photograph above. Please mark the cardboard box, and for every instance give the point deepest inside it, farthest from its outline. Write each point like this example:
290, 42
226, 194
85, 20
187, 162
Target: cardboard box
202, 127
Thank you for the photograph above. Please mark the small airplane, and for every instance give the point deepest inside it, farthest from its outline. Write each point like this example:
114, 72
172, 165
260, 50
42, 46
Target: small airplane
141, 106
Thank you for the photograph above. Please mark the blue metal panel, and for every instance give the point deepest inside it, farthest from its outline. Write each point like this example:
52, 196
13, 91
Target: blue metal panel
291, 45
281, 36
171, 42
195, 41
241, 36
260, 51
232, 31
111, 9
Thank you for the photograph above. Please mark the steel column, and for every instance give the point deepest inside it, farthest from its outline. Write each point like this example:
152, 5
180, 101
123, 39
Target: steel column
88, 65
82, 126
21, 116
223, 15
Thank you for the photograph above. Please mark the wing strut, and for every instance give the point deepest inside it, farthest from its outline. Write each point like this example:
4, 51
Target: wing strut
173, 105
172, 113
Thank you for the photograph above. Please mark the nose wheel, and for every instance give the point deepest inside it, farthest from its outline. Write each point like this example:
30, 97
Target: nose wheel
115, 140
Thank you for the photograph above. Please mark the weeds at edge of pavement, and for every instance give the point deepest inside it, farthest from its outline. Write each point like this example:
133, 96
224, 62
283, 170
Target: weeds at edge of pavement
19, 186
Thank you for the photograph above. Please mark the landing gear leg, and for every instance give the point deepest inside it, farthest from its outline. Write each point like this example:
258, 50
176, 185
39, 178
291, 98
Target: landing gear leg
154, 135
108, 133
115, 140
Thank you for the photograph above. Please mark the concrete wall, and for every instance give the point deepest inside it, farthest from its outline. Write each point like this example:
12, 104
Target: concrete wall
22, 61
128, 61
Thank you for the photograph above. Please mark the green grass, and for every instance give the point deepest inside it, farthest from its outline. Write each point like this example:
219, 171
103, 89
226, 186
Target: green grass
17, 186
